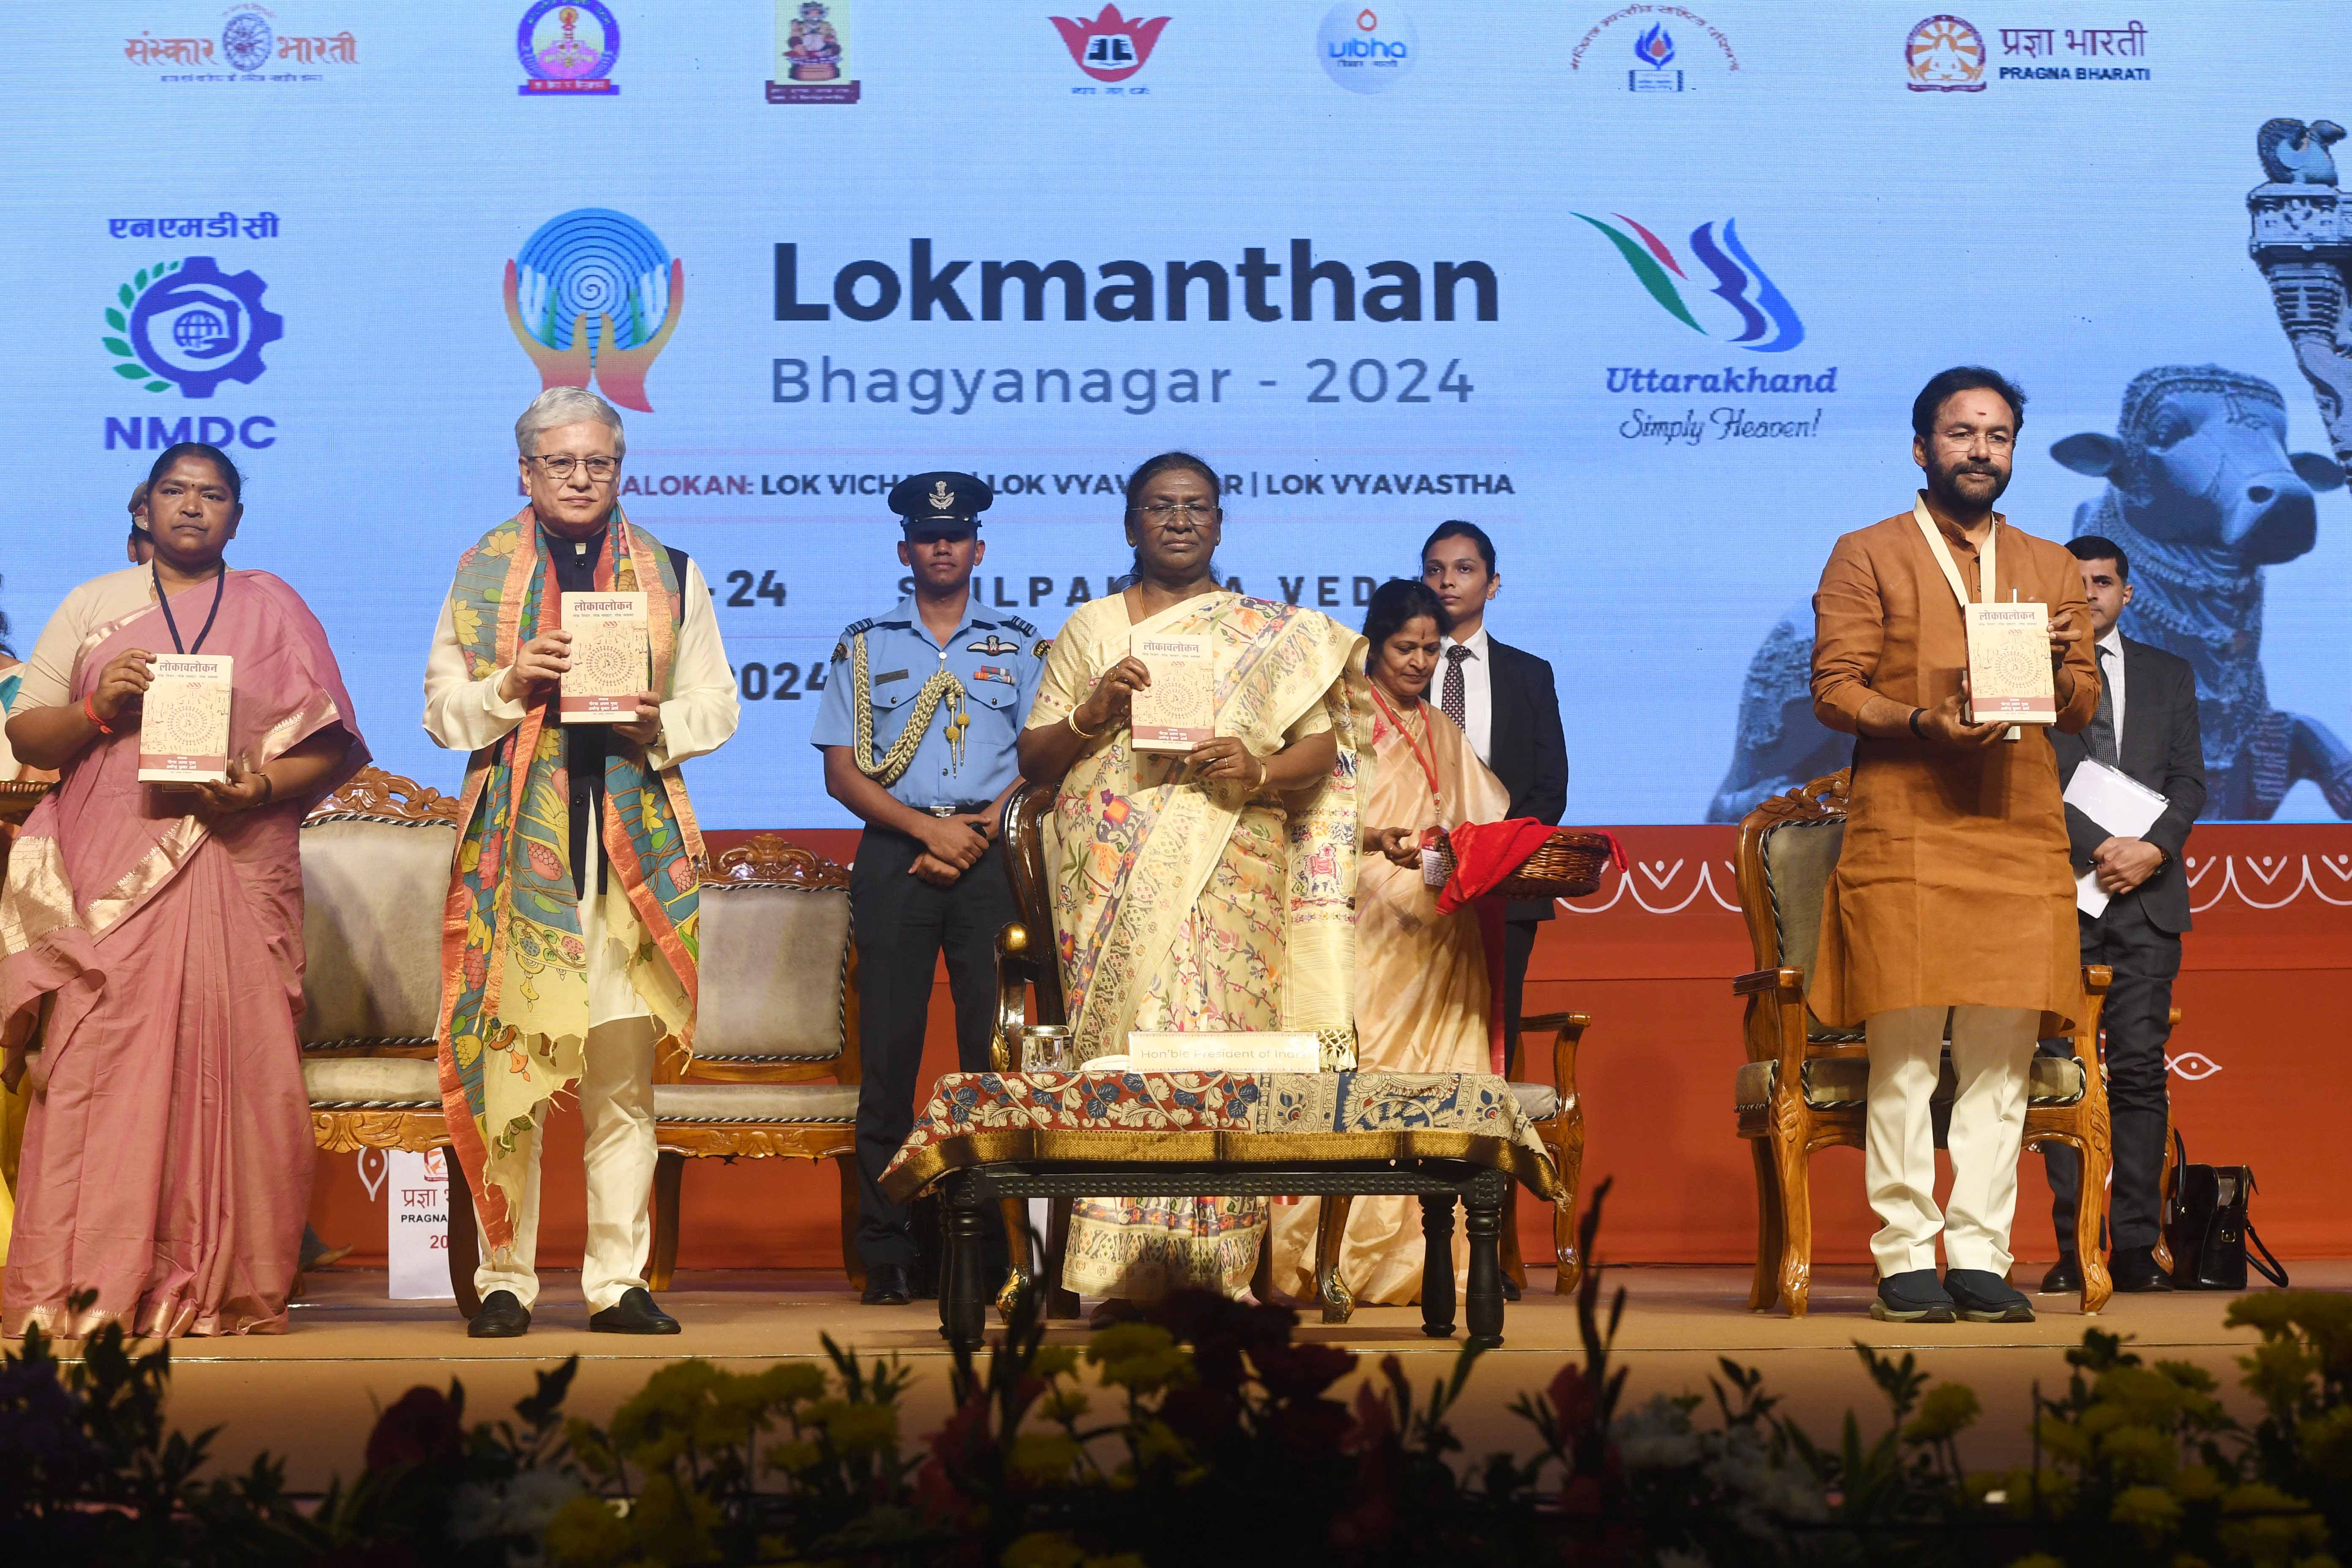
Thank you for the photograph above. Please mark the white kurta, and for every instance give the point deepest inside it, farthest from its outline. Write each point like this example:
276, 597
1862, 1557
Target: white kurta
698, 718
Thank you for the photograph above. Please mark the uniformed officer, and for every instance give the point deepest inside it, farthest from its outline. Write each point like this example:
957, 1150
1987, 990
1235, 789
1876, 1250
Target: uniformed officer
922, 710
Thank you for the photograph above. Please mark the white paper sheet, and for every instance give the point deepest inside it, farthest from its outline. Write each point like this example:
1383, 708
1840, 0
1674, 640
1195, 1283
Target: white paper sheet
2125, 808
417, 1205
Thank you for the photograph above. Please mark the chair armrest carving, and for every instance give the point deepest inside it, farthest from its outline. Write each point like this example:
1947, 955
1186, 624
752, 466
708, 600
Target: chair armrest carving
1757, 981
1014, 963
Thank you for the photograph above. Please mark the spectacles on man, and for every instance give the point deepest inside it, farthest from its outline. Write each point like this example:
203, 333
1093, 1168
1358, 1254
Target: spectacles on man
1166, 510
561, 466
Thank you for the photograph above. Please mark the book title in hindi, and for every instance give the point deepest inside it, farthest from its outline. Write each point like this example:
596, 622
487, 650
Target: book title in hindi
1179, 710
2008, 665
611, 661
183, 719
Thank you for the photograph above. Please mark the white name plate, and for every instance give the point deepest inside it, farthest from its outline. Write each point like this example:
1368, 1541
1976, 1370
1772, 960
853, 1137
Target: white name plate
1270, 1051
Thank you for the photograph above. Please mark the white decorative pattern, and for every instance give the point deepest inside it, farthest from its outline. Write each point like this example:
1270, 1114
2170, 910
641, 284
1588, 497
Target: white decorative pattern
1661, 875
2268, 875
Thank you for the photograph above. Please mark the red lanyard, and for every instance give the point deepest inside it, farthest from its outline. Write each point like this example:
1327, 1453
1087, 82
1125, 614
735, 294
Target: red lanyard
1428, 767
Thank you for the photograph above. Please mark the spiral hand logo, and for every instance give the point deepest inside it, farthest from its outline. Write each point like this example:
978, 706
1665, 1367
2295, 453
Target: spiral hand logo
594, 293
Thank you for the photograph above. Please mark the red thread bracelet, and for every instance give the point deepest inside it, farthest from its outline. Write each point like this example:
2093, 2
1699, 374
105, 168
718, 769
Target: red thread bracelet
91, 713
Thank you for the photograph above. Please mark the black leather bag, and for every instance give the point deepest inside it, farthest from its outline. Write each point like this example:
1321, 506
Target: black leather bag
2205, 1225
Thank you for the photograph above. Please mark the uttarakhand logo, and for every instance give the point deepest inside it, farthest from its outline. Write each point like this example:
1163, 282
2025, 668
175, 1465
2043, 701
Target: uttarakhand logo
568, 46
1767, 324
1112, 48
1945, 54
1366, 51
190, 325
593, 292
247, 40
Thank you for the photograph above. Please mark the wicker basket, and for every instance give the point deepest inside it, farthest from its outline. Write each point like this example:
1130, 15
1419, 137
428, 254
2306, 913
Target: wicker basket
1568, 865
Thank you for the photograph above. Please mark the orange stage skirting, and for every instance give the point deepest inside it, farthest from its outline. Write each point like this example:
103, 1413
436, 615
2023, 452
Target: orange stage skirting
2261, 1075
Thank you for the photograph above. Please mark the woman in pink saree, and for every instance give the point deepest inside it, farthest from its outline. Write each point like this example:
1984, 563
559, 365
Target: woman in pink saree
151, 944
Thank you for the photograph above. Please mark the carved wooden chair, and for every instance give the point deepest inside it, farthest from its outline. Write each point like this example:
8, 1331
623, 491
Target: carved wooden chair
1803, 1085
375, 874
775, 1068
1026, 965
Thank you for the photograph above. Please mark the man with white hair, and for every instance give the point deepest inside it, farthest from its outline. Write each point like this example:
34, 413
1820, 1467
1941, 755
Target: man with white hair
569, 939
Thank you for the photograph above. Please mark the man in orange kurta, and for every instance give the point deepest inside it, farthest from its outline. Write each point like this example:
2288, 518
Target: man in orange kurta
1953, 898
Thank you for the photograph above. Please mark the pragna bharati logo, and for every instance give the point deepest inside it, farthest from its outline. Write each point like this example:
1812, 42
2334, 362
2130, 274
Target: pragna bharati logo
1945, 54
1112, 48
190, 325
594, 293
1767, 322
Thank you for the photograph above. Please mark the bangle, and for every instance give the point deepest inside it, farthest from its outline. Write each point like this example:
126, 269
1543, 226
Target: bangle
1081, 734
1917, 714
91, 714
269, 785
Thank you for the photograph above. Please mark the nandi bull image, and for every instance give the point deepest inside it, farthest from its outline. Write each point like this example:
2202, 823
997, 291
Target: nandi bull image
2204, 496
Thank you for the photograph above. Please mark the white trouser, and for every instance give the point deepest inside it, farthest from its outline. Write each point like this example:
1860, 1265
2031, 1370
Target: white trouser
1992, 1051
616, 1107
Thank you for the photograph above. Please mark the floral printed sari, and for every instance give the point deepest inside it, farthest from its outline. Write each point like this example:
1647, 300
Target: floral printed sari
1178, 905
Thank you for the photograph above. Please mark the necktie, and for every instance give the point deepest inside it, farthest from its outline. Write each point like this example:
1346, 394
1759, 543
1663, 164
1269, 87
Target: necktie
1450, 698
2101, 734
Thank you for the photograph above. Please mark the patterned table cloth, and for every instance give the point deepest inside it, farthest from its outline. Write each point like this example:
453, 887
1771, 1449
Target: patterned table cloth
1208, 1118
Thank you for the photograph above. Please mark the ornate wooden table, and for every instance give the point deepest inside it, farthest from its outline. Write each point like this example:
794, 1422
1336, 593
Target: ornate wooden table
987, 1138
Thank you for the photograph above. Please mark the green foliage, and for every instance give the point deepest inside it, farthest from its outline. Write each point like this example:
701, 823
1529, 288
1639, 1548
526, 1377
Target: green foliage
1203, 1432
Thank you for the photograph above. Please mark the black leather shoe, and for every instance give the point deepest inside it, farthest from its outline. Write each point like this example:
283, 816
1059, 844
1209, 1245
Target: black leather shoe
887, 1285
1984, 1297
1914, 1296
500, 1317
634, 1313
1510, 1288
2064, 1278
2134, 1269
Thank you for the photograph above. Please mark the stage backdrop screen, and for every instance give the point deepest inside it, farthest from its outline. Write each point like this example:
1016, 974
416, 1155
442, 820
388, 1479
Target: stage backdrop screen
1644, 290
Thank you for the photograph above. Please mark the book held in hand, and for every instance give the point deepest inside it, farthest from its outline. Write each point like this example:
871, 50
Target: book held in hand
2008, 665
1179, 710
610, 662
183, 719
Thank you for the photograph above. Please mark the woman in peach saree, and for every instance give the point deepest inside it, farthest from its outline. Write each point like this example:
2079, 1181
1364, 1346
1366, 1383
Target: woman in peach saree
1424, 1003
154, 937
1208, 891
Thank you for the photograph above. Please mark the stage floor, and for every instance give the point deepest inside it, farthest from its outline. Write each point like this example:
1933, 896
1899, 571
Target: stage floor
311, 1394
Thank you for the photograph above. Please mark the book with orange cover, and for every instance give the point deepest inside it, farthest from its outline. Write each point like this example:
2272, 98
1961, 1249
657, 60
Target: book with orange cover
183, 719
2010, 680
611, 661
1179, 710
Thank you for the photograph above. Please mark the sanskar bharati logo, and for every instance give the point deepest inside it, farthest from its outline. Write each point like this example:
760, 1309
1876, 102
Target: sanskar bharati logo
1767, 322
190, 325
595, 292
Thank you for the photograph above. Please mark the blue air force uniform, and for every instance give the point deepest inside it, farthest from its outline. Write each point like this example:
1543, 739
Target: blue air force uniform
935, 724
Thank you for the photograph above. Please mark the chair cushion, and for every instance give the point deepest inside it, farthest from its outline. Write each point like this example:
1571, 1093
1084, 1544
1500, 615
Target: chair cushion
371, 897
755, 1102
1845, 1080
1538, 1101
371, 1082
774, 960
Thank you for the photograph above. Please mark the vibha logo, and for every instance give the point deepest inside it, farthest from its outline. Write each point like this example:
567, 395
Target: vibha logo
1366, 51
1768, 324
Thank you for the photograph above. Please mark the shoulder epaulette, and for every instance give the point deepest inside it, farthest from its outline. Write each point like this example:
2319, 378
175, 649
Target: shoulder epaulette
855, 628
1018, 625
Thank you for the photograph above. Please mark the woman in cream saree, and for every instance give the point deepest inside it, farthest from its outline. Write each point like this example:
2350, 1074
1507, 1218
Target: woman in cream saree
1424, 993
1209, 891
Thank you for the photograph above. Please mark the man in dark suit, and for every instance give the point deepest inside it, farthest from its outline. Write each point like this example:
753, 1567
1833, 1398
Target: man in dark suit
2146, 727
1504, 700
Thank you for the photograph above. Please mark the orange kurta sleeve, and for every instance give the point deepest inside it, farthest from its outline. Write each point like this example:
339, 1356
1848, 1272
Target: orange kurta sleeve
1849, 634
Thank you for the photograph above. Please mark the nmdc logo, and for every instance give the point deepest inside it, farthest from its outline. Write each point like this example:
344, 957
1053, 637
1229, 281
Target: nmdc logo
189, 325
1366, 51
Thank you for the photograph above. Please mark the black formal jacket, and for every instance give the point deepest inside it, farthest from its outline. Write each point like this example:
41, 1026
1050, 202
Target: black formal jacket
2163, 749
1530, 754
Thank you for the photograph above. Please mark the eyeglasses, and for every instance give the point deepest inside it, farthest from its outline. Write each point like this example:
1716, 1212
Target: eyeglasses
1189, 511
560, 467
